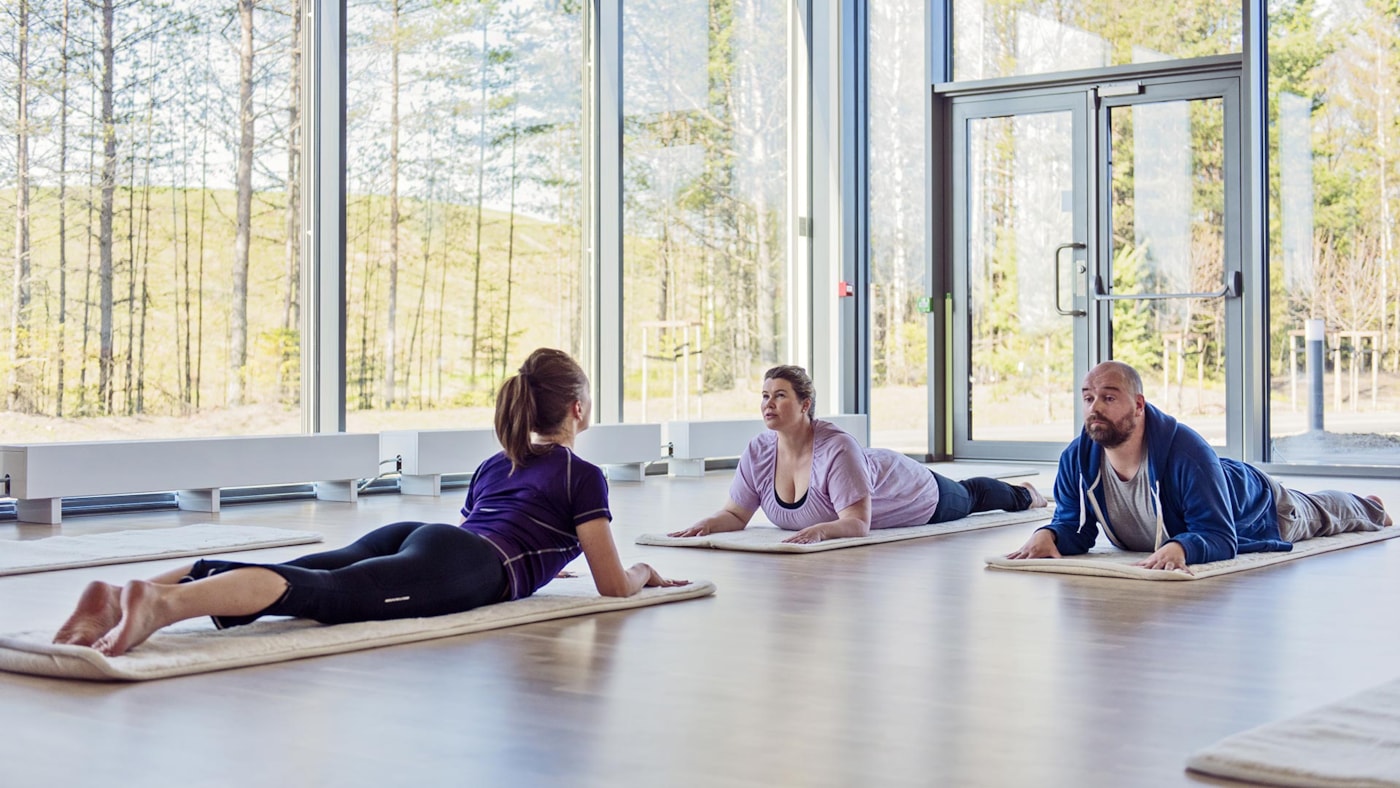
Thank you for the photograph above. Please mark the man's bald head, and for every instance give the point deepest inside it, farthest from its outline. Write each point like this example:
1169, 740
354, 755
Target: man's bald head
1130, 382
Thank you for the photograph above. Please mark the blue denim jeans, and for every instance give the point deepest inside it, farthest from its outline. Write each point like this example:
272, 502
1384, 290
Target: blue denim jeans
957, 500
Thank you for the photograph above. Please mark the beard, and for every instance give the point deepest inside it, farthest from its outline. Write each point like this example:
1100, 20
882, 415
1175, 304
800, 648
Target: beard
1109, 434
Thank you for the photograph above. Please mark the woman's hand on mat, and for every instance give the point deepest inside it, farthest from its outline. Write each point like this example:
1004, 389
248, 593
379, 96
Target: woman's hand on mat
1171, 557
655, 580
731, 518
809, 535
566, 573
699, 529
1040, 545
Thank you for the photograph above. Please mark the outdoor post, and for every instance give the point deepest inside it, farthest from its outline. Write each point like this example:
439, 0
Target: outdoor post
1316, 333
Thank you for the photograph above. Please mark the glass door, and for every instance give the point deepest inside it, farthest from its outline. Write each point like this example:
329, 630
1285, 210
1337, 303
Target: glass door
1168, 278
1020, 225
1094, 222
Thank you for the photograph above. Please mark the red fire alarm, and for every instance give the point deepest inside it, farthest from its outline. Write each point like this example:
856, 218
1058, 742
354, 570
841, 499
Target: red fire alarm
845, 289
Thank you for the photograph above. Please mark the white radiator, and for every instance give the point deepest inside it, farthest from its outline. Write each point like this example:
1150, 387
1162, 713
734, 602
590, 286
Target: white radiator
623, 450
692, 442
42, 474
427, 454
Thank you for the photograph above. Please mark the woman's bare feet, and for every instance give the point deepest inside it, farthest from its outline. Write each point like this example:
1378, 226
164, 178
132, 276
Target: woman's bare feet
142, 612
99, 609
1037, 500
1377, 500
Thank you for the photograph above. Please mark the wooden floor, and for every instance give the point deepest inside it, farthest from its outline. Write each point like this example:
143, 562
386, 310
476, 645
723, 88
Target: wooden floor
898, 664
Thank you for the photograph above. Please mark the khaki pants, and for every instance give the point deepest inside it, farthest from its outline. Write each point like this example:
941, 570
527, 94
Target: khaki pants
1324, 513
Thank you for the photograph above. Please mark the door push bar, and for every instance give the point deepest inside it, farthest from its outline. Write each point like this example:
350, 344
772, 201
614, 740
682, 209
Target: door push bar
1058, 278
1232, 289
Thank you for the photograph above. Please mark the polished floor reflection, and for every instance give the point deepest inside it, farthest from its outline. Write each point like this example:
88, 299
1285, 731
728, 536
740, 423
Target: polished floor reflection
900, 664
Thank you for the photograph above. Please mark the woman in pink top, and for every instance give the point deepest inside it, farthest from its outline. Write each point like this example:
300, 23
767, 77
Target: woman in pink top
810, 476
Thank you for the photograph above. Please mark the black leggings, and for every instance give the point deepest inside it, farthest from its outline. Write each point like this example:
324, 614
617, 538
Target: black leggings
957, 500
400, 570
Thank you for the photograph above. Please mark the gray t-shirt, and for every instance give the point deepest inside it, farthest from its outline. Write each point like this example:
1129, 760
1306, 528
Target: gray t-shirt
1129, 508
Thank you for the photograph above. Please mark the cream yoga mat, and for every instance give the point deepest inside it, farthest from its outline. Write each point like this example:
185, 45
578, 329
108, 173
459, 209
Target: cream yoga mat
197, 647
120, 547
1109, 562
763, 538
1353, 742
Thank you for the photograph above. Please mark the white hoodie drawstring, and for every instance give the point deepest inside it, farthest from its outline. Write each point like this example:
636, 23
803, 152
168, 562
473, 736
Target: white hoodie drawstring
1157, 505
1081, 504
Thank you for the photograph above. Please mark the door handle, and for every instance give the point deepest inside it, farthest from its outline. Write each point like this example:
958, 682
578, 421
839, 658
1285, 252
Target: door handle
1232, 289
1058, 259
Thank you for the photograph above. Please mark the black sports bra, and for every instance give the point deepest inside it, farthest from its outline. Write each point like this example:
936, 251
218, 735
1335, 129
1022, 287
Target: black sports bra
795, 505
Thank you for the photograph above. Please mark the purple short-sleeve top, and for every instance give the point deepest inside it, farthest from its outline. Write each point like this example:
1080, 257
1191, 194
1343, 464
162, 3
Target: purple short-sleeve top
532, 515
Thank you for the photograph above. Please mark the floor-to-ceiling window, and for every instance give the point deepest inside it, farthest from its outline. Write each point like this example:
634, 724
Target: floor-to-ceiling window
1144, 275
463, 208
1003, 39
151, 219
705, 290
898, 255
1334, 243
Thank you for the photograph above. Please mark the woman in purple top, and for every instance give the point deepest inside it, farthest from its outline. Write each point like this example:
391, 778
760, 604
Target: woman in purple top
530, 510
809, 476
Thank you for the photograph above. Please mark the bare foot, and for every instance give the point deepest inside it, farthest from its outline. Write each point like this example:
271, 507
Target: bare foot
99, 609
141, 617
1380, 503
1037, 500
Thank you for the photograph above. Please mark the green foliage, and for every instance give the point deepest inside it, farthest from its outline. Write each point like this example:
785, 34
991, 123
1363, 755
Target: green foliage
1136, 340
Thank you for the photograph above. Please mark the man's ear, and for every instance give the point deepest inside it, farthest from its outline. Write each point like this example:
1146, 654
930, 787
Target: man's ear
1141, 404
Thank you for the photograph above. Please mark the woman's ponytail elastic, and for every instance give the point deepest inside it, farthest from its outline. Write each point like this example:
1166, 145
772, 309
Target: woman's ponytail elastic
515, 410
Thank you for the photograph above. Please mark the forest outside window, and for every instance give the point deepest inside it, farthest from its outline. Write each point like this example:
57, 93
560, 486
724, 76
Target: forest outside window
150, 178
705, 222
463, 229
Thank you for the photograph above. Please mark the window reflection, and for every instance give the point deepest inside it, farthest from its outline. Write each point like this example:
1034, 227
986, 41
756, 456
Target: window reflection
898, 261
1334, 157
463, 213
996, 39
705, 291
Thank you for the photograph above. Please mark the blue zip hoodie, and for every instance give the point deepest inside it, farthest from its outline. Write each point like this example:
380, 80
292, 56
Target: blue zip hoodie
1213, 506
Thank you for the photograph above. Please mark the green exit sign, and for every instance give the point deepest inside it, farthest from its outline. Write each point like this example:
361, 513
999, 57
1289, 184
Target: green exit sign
926, 304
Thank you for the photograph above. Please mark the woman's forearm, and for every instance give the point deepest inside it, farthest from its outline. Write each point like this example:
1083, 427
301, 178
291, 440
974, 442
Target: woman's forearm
845, 526
637, 577
723, 520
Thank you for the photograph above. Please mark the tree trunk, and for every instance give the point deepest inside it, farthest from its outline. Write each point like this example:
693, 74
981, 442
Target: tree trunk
199, 283
180, 217
18, 395
392, 306
510, 247
243, 231
62, 203
145, 258
291, 302
442, 298
179, 295
83, 408
415, 332
480, 198
363, 384
106, 360
131, 257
